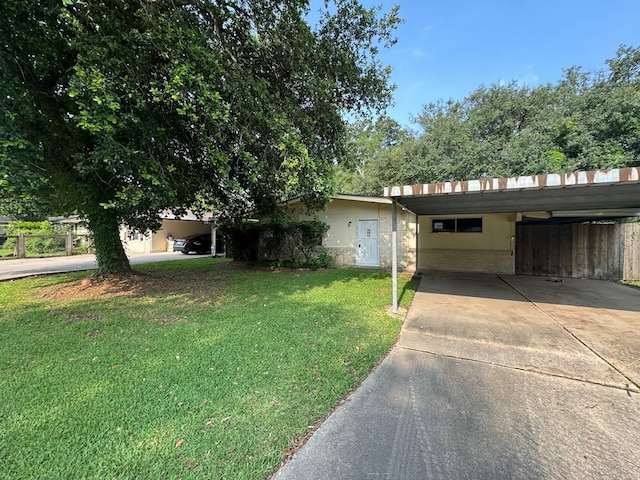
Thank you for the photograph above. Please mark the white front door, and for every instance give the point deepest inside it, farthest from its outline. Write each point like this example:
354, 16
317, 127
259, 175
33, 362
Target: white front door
367, 242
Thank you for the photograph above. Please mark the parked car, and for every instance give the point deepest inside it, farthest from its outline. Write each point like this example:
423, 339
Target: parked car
196, 243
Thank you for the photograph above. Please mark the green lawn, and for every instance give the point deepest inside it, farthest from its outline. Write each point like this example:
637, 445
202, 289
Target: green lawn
196, 369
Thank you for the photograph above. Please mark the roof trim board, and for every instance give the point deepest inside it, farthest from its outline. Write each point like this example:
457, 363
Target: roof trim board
601, 190
353, 198
580, 178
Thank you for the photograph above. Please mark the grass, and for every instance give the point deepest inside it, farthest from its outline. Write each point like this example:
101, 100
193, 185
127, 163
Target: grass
196, 369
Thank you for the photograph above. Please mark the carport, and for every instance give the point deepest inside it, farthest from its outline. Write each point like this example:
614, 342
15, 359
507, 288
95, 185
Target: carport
172, 226
456, 207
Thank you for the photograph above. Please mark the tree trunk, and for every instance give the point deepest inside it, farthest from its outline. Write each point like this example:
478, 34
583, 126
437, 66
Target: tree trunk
110, 253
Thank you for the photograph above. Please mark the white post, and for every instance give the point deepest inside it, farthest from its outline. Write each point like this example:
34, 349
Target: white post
394, 255
21, 246
68, 244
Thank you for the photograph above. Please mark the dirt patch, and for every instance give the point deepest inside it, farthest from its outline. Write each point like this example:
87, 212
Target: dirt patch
203, 285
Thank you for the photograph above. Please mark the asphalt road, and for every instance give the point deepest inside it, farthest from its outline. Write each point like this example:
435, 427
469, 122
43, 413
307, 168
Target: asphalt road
26, 267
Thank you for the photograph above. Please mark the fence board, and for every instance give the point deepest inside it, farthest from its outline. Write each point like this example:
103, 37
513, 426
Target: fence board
631, 252
600, 251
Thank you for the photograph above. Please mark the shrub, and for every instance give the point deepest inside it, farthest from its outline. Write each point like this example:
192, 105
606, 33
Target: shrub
44, 245
287, 242
42, 238
29, 228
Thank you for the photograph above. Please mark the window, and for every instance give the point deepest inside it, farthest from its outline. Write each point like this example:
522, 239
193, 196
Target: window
446, 225
469, 225
458, 225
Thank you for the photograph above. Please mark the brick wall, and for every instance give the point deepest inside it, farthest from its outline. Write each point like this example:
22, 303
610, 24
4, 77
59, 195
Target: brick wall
406, 239
460, 260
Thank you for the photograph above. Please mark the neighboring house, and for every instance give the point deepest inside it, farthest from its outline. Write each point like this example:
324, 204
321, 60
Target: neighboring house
73, 224
172, 227
360, 231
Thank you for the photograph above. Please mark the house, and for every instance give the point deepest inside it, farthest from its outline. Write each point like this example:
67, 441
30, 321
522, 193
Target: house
360, 231
72, 224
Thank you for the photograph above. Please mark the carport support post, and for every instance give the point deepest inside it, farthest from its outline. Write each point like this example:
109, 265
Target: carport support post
214, 231
394, 255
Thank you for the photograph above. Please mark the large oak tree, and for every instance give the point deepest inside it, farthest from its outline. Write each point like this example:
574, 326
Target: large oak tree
119, 109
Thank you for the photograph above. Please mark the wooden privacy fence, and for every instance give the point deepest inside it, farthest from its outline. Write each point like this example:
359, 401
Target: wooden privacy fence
22, 245
598, 251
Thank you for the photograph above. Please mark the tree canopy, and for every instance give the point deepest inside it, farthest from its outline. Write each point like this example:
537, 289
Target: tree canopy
588, 120
118, 110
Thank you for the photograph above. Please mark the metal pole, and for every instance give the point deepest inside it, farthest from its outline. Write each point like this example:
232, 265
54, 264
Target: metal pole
214, 231
394, 255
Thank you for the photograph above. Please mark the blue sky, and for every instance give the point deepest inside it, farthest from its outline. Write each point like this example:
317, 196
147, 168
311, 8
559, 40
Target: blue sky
448, 48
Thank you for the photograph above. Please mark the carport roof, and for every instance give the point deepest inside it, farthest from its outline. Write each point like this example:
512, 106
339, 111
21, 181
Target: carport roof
601, 193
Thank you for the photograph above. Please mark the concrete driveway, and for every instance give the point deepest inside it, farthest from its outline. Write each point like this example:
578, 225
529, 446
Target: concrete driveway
495, 377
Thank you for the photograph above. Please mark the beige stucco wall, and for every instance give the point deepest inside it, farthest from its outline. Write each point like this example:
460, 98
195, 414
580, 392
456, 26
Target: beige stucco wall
137, 244
342, 217
491, 251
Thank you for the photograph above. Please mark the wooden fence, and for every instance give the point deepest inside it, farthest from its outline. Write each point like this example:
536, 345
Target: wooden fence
598, 251
22, 245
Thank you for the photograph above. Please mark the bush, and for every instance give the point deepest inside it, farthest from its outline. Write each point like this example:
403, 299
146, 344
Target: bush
42, 238
29, 228
44, 245
288, 243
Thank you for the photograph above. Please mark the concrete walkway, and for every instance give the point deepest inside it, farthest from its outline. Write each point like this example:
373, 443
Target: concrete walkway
512, 377
26, 267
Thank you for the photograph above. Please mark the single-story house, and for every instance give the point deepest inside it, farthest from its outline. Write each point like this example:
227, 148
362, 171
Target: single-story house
360, 231
73, 223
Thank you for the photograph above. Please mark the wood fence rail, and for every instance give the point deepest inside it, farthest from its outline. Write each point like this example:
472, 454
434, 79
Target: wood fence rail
37, 246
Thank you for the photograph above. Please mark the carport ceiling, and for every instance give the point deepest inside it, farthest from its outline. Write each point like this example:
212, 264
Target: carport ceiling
608, 193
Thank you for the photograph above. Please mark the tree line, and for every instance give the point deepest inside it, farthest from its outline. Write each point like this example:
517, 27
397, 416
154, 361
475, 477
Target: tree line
586, 121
